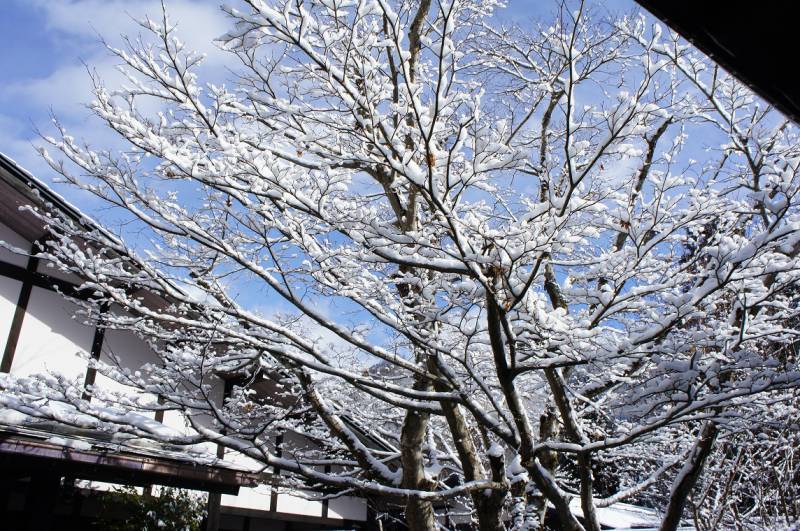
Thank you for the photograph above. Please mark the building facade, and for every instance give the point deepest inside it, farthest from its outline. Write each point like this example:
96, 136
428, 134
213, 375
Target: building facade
48, 469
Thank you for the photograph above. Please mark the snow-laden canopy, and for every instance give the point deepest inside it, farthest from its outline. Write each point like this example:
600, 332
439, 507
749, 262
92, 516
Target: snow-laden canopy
514, 266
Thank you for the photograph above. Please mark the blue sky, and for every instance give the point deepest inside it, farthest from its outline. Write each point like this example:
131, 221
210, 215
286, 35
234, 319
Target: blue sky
48, 45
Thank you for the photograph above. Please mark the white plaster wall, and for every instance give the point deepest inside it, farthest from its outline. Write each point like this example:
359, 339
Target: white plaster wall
215, 395
9, 294
133, 354
51, 339
178, 421
124, 344
102, 486
347, 508
256, 498
244, 461
259, 497
10, 237
296, 505
131, 351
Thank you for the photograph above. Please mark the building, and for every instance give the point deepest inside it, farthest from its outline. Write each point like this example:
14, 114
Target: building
754, 42
47, 469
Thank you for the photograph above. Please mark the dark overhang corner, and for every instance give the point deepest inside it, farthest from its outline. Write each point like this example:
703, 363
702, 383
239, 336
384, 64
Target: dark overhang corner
754, 41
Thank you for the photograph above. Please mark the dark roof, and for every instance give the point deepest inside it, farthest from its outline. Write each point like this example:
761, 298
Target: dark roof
754, 41
94, 456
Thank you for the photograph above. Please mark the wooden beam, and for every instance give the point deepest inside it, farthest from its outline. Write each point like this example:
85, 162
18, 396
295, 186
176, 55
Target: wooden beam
97, 349
19, 312
273, 500
42, 280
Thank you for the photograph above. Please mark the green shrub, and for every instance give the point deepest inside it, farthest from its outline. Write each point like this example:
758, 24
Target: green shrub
124, 509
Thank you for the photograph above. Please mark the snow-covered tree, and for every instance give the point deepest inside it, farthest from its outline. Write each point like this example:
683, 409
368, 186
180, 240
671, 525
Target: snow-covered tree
752, 481
515, 265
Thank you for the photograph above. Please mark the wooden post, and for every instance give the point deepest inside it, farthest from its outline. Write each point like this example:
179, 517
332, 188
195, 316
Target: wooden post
215, 498
214, 505
19, 313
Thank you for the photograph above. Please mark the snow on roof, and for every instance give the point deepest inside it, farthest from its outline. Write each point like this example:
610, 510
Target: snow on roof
13, 422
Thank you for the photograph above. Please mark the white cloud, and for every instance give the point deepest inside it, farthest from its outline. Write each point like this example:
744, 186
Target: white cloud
81, 23
66, 90
199, 22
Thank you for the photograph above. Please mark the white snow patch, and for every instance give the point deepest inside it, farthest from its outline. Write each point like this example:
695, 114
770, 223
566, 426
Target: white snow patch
70, 443
495, 450
621, 515
12, 417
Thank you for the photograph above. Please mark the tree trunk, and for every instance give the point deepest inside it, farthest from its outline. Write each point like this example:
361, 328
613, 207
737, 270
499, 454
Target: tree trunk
542, 478
548, 430
419, 513
488, 509
490, 515
688, 476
